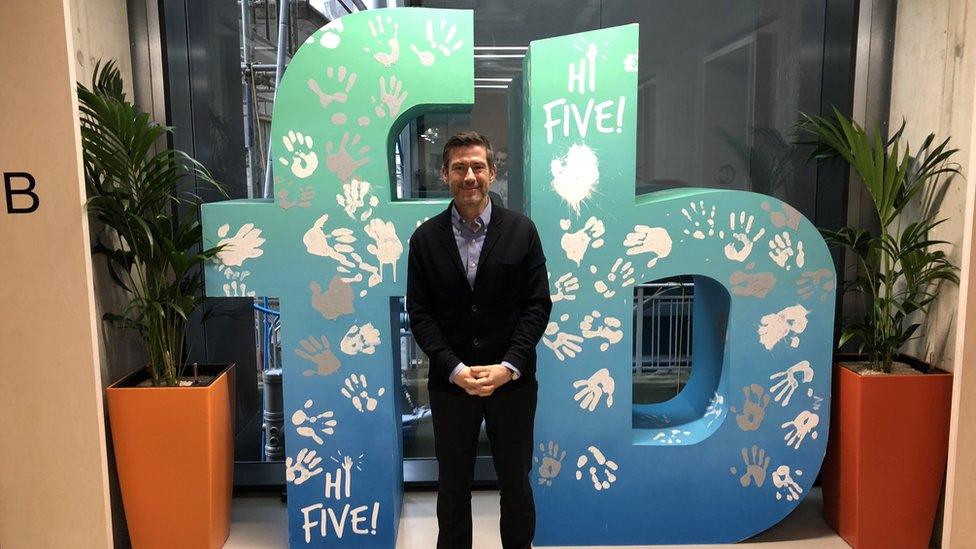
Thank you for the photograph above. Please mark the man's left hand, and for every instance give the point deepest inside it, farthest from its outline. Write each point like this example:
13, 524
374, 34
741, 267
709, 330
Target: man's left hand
491, 377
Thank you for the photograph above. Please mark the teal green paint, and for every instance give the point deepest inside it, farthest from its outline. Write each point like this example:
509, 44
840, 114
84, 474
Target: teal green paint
333, 94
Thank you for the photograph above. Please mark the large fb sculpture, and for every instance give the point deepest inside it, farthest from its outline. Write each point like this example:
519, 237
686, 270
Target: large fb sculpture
730, 456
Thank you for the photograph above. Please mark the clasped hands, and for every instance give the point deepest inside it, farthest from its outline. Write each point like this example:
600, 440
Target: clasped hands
482, 380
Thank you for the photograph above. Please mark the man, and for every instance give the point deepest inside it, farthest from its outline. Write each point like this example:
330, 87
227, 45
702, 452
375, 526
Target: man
478, 299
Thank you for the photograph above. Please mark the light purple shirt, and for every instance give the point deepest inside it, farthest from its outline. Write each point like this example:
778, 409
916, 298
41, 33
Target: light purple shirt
470, 239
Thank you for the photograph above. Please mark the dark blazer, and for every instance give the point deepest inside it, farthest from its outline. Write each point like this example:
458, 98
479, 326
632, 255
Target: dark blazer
501, 319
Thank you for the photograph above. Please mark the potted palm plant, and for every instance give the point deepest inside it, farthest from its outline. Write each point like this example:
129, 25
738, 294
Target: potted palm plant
889, 423
171, 428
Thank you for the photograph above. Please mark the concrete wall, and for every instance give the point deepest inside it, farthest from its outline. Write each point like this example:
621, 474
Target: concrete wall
934, 89
933, 82
54, 490
100, 32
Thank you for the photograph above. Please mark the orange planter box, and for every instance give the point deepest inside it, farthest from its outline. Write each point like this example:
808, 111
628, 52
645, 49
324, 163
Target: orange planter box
174, 452
886, 457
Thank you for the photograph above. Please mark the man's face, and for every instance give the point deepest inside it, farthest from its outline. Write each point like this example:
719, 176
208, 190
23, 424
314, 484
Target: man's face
469, 176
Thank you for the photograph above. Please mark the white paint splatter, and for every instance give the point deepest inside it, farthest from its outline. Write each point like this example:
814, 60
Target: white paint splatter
575, 175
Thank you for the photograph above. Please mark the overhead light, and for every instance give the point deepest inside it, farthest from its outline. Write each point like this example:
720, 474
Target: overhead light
430, 135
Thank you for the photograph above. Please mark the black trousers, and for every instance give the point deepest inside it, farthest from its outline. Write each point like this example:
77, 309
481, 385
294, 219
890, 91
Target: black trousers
509, 420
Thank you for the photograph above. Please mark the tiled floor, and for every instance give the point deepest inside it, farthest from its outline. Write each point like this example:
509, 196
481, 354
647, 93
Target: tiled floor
259, 521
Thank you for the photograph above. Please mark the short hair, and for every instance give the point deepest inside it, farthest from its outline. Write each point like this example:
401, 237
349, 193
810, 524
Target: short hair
467, 139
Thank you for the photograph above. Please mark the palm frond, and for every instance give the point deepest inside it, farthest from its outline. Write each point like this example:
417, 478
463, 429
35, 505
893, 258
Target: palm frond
900, 269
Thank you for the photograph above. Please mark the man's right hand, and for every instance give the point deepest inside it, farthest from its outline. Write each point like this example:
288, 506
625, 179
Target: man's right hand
469, 381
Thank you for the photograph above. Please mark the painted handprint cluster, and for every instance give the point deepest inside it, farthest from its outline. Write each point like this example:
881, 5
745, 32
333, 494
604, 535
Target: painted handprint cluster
745, 230
567, 344
785, 324
337, 244
234, 251
330, 245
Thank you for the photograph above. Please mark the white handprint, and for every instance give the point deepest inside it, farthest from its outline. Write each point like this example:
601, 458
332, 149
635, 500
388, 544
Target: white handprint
360, 339
672, 436
741, 244
649, 240
565, 286
576, 243
608, 329
630, 62
233, 289
776, 326
300, 418
391, 99
702, 219
353, 197
551, 463
317, 241
344, 86
333, 35
592, 389
244, 245
563, 344
786, 386
378, 29
715, 408
357, 392
303, 159
386, 246
608, 469
619, 269
800, 427
373, 272
442, 43
783, 481
781, 250
303, 467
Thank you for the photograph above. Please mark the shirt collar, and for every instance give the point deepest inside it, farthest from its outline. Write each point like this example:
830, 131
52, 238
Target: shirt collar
484, 217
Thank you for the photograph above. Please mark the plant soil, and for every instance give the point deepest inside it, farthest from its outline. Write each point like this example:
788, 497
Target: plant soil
185, 381
897, 369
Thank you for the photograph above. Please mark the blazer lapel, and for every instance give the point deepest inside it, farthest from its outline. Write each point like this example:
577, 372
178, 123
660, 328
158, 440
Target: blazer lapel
491, 238
447, 240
